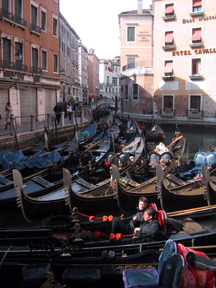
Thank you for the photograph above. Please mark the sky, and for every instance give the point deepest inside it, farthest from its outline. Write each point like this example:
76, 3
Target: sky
96, 22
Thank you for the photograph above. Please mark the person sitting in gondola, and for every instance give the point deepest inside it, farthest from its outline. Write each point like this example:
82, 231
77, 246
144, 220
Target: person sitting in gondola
121, 226
150, 226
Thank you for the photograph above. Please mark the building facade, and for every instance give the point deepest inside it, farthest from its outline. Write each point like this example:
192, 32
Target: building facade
83, 73
93, 74
184, 57
136, 48
69, 62
29, 57
110, 83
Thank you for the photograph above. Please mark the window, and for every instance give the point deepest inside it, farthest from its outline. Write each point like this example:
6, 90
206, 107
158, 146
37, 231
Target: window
126, 92
43, 20
168, 68
195, 103
44, 60
34, 17
107, 80
19, 53
196, 66
55, 62
63, 46
135, 91
6, 8
196, 38
169, 39
168, 101
114, 81
34, 60
18, 11
197, 6
69, 90
68, 51
130, 34
7, 53
169, 9
130, 63
55, 27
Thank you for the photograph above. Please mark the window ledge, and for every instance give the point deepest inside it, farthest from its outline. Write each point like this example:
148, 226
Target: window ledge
196, 77
198, 13
170, 17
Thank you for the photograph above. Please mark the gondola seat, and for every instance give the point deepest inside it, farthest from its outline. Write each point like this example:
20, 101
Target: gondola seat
146, 278
200, 159
83, 277
34, 275
169, 277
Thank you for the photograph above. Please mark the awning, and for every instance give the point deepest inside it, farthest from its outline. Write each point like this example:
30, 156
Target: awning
196, 36
169, 37
169, 9
197, 3
168, 67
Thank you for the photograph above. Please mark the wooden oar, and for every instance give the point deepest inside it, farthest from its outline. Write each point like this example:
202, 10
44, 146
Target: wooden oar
174, 141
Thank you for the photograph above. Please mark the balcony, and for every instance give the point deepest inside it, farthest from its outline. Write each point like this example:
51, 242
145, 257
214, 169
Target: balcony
168, 17
196, 44
13, 66
36, 70
167, 112
168, 77
169, 46
134, 65
196, 13
195, 113
196, 77
35, 29
12, 18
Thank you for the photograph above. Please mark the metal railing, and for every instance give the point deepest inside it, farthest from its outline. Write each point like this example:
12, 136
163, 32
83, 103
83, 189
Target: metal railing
13, 17
33, 123
134, 65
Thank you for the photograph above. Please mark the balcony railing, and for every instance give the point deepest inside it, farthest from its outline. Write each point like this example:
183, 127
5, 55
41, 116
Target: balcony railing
169, 46
134, 65
13, 66
35, 29
169, 16
36, 70
196, 77
12, 18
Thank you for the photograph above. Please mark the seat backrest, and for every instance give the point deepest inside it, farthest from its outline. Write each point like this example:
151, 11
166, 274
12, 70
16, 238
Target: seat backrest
153, 205
200, 159
154, 157
170, 248
211, 158
172, 271
162, 219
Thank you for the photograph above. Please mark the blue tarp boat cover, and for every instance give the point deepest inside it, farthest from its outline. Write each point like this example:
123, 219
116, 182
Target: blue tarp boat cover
8, 158
43, 160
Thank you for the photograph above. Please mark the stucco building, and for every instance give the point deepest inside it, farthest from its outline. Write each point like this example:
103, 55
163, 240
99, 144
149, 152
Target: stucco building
184, 57
83, 73
136, 48
110, 83
29, 57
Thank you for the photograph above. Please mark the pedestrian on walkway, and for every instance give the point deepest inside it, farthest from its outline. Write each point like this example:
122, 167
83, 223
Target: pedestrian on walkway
58, 109
69, 109
8, 109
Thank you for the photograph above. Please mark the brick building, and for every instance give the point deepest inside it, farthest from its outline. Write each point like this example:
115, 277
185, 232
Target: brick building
29, 56
93, 74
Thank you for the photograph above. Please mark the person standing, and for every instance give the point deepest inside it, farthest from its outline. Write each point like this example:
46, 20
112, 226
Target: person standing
69, 109
8, 109
58, 109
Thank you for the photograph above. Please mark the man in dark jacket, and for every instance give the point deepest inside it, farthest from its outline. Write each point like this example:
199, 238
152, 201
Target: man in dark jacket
150, 226
58, 109
122, 226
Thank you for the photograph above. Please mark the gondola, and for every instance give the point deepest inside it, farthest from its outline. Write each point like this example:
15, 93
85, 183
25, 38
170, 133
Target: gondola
56, 268
129, 190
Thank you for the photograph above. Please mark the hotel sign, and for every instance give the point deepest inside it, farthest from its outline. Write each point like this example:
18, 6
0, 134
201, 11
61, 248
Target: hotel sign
196, 51
202, 18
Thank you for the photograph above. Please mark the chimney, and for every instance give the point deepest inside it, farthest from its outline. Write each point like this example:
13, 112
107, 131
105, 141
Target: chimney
140, 5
